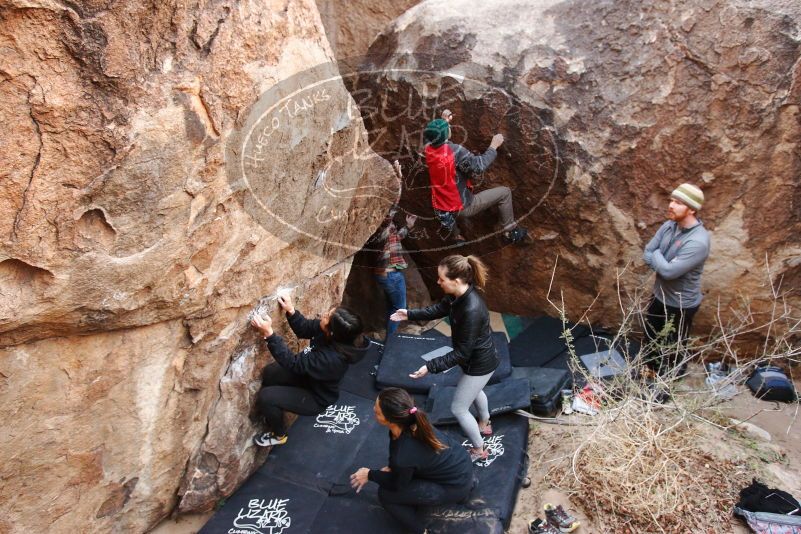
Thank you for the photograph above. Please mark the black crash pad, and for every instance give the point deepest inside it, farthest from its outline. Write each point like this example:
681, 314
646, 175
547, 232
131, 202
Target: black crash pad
593, 343
320, 447
500, 476
403, 355
507, 395
288, 501
303, 486
360, 377
267, 505
542, 341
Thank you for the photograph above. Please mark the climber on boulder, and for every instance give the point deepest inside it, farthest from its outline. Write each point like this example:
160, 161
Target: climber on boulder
450, 167
308, 382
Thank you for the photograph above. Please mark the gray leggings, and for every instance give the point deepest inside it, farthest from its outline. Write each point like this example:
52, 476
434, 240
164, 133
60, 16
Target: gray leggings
469, 391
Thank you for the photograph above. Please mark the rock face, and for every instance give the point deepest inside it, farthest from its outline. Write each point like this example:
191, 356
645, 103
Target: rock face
351, 26
133, 248
606, 107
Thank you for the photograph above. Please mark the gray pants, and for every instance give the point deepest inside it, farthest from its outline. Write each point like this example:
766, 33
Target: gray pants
497, 196
469, 391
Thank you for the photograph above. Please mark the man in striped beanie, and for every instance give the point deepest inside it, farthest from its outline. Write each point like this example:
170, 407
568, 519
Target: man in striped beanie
676, 254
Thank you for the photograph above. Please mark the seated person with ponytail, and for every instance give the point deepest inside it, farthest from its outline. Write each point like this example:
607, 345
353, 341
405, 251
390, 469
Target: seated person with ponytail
426, 468
473, 348
308, 382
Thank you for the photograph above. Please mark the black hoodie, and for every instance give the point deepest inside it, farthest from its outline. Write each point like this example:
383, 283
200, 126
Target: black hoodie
324, 361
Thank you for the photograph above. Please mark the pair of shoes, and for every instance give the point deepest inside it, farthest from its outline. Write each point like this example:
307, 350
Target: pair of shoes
487, 431
478, 455
516, 235
538, 526
268, 439
559, 519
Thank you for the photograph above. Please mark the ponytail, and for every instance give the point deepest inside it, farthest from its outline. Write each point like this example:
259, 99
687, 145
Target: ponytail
398, 408
469, 269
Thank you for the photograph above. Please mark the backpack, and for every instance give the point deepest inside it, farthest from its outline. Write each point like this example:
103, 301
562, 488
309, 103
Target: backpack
771, 384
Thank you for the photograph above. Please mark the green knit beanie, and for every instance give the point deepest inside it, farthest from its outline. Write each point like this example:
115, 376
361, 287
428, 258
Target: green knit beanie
436, 132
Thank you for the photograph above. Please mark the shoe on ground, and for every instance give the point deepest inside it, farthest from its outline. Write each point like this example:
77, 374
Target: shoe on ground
516, 235
268, 439
538, 526
477, 456
559, 519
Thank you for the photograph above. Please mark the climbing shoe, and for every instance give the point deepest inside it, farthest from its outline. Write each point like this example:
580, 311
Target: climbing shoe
478, 455
538, 526
515, 236
268, 439
558, 518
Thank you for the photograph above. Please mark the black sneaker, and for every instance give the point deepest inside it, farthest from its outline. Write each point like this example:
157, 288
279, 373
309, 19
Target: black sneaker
268, 439
516, 235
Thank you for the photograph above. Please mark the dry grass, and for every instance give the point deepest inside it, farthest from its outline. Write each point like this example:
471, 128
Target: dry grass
642, 466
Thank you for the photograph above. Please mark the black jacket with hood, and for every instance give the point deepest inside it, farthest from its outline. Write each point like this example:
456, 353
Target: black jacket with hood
324, 362
473, 349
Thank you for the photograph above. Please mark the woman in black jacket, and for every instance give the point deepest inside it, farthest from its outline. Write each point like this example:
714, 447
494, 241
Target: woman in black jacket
425, 468
473, 349
308, 382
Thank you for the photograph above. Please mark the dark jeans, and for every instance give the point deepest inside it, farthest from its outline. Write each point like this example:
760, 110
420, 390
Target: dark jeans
403, 504
284, 390
394, 286
657, 316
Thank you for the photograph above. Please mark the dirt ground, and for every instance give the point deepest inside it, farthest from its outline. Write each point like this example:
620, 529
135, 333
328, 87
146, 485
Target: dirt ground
768, 447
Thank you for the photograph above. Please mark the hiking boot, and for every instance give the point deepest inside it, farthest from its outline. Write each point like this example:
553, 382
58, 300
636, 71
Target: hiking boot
515, 236
538, 526
558, 518
478, 455
268, 439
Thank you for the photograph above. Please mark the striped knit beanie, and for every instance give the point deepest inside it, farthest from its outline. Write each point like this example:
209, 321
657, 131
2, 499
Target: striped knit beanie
436, 132
690, 195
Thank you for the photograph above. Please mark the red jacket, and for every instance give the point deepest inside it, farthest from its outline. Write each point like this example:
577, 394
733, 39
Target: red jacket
449, 169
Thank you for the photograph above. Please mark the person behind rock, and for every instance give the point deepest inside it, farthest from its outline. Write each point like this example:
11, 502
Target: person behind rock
450, 167
473, 348
390, 263
307, 382
426, 467
676, 254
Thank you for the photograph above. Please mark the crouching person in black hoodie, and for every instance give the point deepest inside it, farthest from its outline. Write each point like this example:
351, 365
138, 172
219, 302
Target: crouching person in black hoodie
307, 382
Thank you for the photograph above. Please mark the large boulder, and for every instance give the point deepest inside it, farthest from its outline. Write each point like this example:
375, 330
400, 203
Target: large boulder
352, 25
606, 106
133, 244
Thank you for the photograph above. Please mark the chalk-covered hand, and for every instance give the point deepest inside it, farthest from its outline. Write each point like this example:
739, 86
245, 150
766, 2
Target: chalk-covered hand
285, 301
396, 165
410, 220
263, 325
359, 479
447, 115
399, 315
497, 140
420, 373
